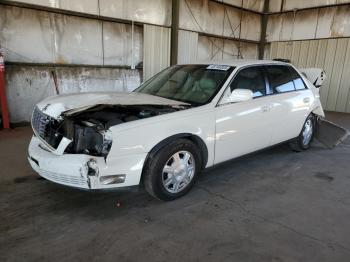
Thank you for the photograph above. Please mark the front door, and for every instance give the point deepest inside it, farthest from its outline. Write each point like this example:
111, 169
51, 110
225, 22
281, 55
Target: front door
244, 127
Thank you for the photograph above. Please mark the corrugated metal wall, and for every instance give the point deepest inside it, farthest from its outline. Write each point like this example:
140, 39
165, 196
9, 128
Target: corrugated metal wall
327, 22
286, 5
188, 44
333, 55
33, 36
28, 85
217, 19
151, 11
156, 50
211, 48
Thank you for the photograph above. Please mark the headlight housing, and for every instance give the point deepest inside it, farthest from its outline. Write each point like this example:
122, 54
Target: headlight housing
90, 138
106, 143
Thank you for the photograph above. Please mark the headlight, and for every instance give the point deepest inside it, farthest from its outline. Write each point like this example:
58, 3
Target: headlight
107, 142
90, 138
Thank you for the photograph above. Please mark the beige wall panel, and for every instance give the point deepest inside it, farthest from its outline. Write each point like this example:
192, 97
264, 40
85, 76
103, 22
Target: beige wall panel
217, 49
232, 22
329, 22
117, 44
217, 19
296, 52
22, 44
274, 27
267, 54
273, 52
255, 5
305, 24
230, 50
312, 53
187, 48
325, 22
204, 49
28, 85
151, 11
280, 49
336, 74
288, 50
156, 50
211, 48
287, 26
251, 28
321, 53
341, 23
233, 2
304, 51
77, 40
249, 51
275, 5
328, 67
344, 87
298, 4
83, 6
201, 16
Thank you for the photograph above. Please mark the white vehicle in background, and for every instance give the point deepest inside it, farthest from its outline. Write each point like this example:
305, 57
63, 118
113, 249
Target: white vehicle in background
184, 119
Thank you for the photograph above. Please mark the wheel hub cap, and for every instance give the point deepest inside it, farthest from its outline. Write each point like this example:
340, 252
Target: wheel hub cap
307, 132
178, 171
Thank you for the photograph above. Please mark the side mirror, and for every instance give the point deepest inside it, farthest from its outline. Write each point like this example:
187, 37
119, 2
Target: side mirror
238, 95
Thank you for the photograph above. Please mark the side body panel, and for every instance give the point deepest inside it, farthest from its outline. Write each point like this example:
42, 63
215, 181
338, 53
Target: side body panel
289, 111
242, 128
140, 137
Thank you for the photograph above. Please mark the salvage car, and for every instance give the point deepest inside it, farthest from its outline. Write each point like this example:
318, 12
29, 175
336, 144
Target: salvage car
184, 119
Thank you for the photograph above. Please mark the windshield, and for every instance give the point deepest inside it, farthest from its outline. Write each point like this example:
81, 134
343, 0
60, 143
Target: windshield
194, 84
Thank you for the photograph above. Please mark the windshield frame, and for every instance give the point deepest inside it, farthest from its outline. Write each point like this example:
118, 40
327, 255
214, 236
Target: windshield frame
210, 99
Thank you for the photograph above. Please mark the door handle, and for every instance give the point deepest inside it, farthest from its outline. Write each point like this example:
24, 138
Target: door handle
306, 100
266, 108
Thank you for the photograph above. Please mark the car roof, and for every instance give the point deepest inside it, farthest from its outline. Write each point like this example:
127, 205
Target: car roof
237, 62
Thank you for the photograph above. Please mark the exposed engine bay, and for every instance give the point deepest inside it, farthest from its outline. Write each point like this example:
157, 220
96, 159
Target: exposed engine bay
88, 130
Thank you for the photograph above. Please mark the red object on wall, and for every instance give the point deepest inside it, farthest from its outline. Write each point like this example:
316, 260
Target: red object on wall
3, 99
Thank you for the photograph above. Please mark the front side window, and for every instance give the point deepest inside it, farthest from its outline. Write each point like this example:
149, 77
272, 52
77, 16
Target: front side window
250, 78
194, 84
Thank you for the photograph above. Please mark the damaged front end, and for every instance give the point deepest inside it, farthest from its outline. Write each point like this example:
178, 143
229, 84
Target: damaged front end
74, 146
88, 131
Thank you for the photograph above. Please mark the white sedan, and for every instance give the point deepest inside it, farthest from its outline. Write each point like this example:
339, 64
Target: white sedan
184, 119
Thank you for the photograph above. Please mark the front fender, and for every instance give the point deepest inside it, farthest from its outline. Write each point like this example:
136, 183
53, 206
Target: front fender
143, 138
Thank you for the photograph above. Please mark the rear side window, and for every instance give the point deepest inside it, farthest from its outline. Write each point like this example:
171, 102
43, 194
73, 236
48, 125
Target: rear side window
297, 80
299, 84
280, 79
284, 79
250, 78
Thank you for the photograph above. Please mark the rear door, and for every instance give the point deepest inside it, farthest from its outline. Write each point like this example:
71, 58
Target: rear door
290, 99
244, 127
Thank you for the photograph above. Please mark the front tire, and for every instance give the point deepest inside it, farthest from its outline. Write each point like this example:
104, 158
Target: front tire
303, 141
173, 170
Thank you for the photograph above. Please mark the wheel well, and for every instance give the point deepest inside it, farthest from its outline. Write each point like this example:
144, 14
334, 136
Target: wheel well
193, 138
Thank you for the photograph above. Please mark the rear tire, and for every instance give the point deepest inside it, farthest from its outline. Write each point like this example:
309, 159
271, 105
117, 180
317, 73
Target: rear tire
172, 171
303, 141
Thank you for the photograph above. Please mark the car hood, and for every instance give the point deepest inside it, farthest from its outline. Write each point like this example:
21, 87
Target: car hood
56, 105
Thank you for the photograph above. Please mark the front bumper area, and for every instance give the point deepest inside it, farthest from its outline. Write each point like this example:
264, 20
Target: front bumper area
74, 169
